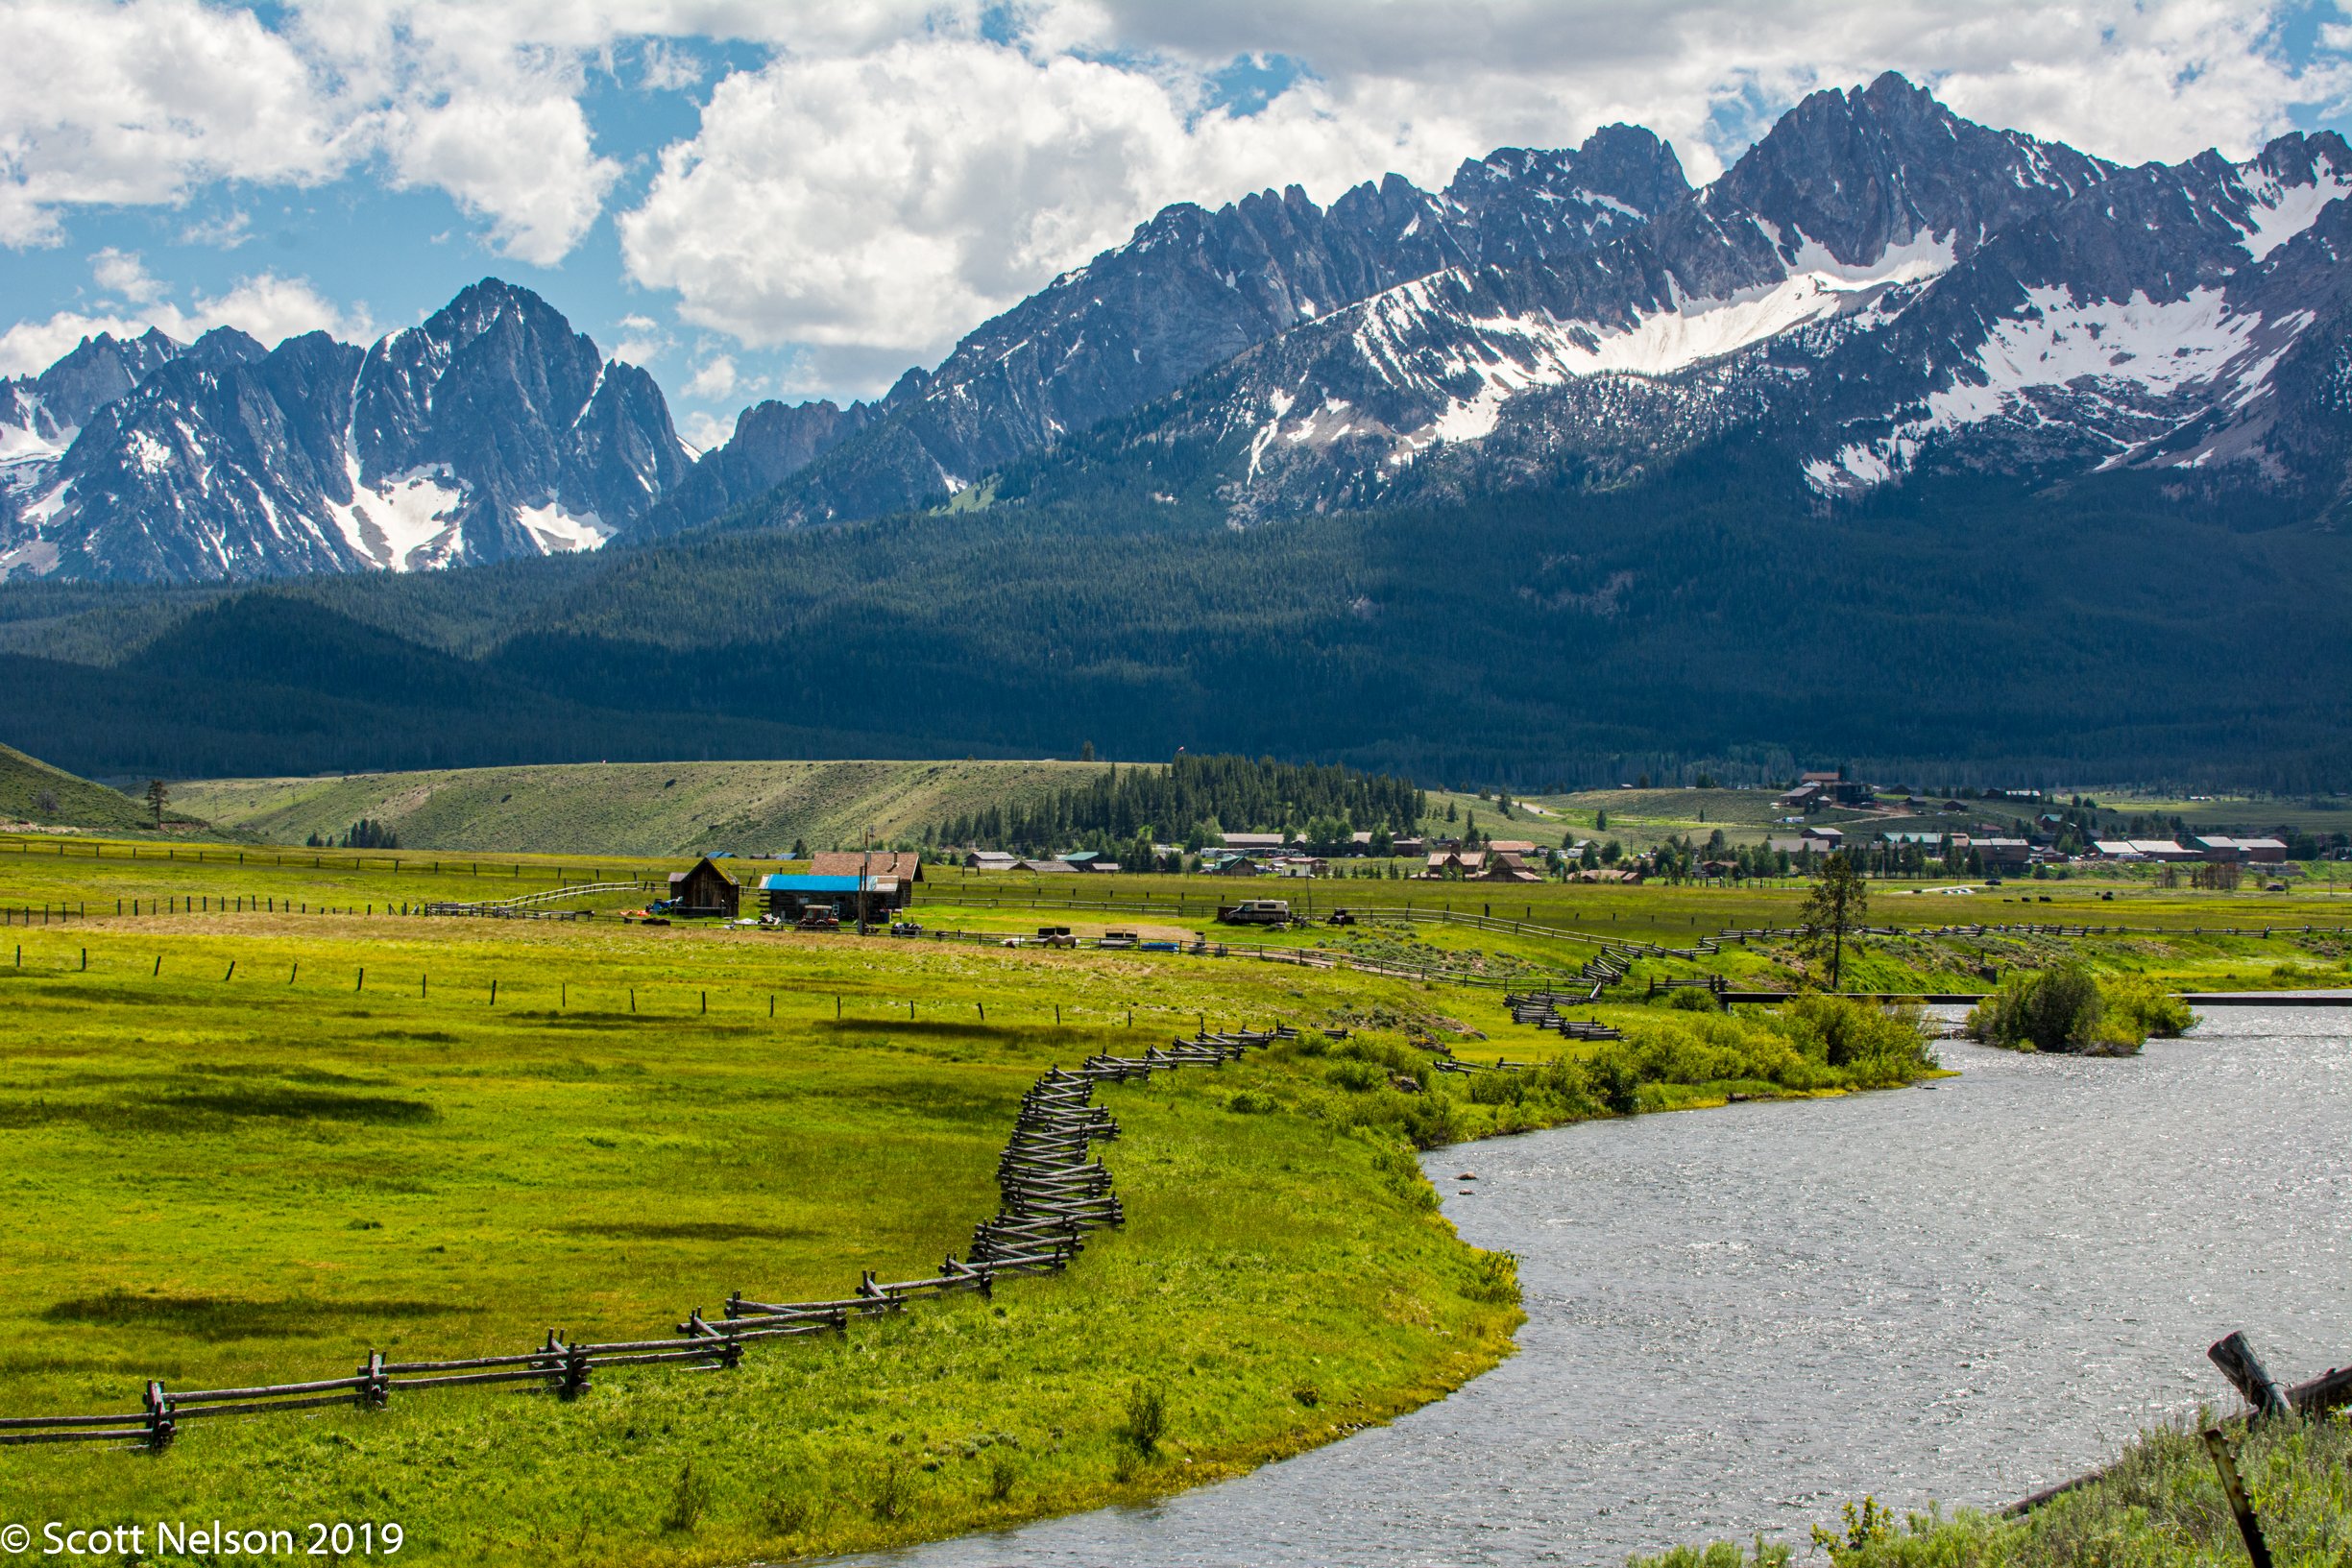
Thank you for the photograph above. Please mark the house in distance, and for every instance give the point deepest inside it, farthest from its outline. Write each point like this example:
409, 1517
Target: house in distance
705, 890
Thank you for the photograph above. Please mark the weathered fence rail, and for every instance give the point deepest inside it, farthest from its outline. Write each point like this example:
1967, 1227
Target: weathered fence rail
1051, 1196
2330, 1390
526, 905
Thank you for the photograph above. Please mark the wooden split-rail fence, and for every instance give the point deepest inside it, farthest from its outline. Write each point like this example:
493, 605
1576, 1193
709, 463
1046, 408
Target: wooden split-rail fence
1602, 971
1052, 1194
2266, 1398
1541, 1008
528, 906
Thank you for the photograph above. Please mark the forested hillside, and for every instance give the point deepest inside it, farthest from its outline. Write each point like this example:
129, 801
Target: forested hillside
1714, 615
1194, 795
672, 807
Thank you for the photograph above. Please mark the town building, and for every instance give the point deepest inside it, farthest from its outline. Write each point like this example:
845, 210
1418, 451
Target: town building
2235, 850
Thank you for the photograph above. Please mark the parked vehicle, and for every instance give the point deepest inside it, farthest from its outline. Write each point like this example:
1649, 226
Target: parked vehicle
1256, 912
820, 918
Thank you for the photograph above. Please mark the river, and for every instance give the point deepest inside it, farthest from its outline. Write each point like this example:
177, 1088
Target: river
1740, 1318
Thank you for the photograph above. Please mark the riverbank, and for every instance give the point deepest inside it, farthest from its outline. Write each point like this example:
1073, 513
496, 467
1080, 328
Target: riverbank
2159, 1506
249, 1148
1965, 1290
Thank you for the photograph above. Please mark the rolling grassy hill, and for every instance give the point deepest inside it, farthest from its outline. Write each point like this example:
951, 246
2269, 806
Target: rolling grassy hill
629, 808
31, 791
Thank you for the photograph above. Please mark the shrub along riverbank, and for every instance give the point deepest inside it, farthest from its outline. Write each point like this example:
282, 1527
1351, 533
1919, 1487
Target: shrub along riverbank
2160, 1506
2067, 1009
249, 1148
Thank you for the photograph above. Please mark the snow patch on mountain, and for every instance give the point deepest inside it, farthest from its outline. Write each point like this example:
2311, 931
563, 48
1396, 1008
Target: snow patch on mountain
1515, 353
2279, 212
43, 508
408, 522
559, 532
22, 444
2130, 372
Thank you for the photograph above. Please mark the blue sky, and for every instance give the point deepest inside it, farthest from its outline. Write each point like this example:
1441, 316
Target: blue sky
757, 198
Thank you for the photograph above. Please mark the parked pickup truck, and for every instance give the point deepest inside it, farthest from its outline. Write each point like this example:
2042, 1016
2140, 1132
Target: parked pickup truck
1256, 912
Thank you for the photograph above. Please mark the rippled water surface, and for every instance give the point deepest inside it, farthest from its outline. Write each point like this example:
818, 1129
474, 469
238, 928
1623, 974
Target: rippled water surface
1740, 1318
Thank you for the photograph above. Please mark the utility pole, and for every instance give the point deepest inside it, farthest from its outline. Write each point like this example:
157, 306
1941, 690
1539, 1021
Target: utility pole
865, 879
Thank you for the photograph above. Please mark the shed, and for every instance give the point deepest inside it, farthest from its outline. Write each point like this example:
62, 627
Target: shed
1257, 843
705, 890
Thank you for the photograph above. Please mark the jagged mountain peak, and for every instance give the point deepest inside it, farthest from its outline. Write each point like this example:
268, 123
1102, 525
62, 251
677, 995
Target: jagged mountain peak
489, 430
1194, 286
1862, 170
1878, 288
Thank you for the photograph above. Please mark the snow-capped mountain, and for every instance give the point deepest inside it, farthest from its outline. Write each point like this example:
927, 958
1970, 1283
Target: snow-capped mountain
1879, 293
491, 430
1878, 287
1194, 288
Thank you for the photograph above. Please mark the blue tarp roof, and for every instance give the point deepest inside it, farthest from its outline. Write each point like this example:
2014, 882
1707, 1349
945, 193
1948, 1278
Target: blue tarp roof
781, 883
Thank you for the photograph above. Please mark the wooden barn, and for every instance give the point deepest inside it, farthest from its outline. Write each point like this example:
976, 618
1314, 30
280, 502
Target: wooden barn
705, 890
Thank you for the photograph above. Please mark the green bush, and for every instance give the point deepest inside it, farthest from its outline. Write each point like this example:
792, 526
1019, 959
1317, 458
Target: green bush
1616, 1080
2049, 1009
2067, 1009
1873, 1046
1690, 998
1497, 1089
1147, 1418
2155, 1012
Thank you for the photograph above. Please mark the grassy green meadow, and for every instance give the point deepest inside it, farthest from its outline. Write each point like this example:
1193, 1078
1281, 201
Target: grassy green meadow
246, 1144
628, 809
31, 791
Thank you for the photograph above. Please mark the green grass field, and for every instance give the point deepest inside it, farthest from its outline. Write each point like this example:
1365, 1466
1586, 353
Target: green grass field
253, 1144
246, 1144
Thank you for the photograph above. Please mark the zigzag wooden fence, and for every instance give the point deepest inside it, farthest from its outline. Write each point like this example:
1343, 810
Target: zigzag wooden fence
1053, 1196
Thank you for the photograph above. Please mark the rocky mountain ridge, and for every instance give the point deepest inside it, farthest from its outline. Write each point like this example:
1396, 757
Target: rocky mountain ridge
1877, 288
490, 431
1879, 292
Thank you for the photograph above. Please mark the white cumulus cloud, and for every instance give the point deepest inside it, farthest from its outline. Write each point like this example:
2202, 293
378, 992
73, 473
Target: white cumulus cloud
713, 380
270, 307
136, 102
877, 202
122, 273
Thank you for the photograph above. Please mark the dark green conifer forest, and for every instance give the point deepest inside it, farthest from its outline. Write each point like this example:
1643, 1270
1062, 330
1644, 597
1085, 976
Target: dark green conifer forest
1713, 617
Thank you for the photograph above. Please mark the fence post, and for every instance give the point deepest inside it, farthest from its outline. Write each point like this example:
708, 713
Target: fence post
162, 1427
2238, 1362
2234, 1491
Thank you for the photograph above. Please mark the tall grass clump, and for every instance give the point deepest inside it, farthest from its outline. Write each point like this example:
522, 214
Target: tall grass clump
2160, 1506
